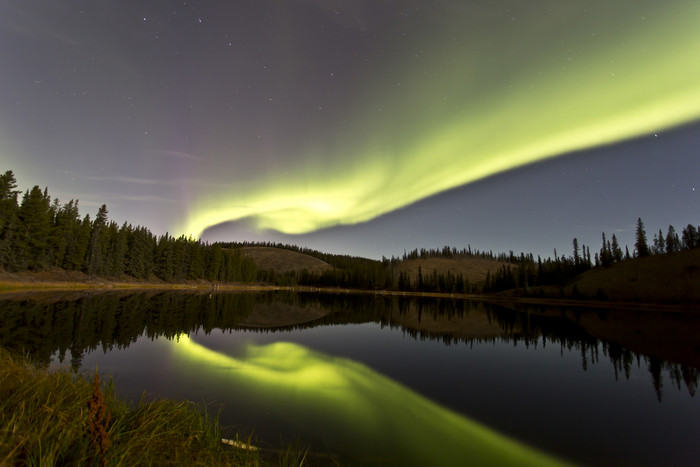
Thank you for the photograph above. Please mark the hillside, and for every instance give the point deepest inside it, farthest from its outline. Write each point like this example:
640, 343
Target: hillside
670, 278
281, 260
674, 277
472, 268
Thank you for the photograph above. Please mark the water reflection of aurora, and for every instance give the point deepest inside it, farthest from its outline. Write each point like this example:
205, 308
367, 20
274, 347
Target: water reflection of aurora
358, 413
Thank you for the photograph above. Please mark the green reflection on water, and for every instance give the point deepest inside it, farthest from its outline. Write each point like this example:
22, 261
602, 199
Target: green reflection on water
357, 412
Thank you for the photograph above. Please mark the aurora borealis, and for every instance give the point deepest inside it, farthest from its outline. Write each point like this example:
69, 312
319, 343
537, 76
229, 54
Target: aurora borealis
589, 92
360, 125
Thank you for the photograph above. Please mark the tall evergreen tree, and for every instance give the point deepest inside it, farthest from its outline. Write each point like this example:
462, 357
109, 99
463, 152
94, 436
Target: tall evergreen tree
606, 257
640, 245
616, 250
35, 219
179, 259
196, 267
118, 243
690, 237
139, 261
9, 210
82, 243
588, 254
164, 258
213, 262
62, 238
673, 243
98, 243
659, 244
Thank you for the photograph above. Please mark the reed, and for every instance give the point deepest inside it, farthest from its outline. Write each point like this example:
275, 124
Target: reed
295, 455
61, 418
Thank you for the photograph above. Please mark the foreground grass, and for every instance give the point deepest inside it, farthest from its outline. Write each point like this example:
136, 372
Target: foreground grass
60, 418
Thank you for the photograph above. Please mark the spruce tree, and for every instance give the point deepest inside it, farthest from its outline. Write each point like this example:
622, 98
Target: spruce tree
118, 243
673, 243
98, 244
66, 222
616, 250
662, 243
214, 256
589, 263
641, 243
35, 222
8, 218
196, 267
606, 256
690, 237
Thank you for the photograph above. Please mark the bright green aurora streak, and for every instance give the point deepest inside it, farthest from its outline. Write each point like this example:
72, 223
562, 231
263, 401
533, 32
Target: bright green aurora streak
476, 104
356, 411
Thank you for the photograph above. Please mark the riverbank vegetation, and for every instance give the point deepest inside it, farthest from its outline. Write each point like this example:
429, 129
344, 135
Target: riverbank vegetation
38, 234
61, 418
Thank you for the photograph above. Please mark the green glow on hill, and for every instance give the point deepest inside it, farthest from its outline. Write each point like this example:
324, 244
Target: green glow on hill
477, 104
357, 411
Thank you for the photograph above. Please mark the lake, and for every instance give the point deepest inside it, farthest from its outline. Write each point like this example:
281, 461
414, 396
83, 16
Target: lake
381, 379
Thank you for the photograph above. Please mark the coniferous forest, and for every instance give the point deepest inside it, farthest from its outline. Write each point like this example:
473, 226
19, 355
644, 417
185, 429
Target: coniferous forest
38, 233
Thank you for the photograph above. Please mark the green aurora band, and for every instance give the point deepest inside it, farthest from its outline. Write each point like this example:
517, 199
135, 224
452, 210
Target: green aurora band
483, 98
358, 412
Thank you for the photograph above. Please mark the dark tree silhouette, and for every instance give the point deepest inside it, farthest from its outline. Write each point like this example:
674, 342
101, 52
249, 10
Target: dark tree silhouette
690, 237
673, 243
616, 251
640, 245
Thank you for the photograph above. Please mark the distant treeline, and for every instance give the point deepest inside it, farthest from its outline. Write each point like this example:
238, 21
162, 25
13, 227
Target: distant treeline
525, 272
517, 271
37, 234
348, 271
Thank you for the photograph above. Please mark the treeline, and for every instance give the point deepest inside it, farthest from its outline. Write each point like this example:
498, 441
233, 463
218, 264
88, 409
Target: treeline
37, 233
517, 271
523, 272
354, 272
452, 252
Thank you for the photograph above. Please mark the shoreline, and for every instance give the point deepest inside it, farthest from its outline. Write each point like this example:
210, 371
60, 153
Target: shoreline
31, 283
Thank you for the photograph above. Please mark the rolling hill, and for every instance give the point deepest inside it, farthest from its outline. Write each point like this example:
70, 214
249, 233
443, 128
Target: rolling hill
472, 268
668, 278
281, 260
658, 278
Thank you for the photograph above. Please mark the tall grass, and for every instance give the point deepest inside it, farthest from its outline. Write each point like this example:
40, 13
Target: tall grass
60, 418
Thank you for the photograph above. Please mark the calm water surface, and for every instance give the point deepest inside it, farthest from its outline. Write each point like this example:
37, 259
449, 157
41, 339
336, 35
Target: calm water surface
597, 387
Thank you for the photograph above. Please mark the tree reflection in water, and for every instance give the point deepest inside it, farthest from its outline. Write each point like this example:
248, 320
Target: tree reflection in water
43, 325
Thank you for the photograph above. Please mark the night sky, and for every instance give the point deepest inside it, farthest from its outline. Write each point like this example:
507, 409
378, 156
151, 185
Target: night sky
363, 127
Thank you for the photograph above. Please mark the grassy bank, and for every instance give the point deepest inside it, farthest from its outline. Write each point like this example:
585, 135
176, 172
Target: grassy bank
59, 279
60, 418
